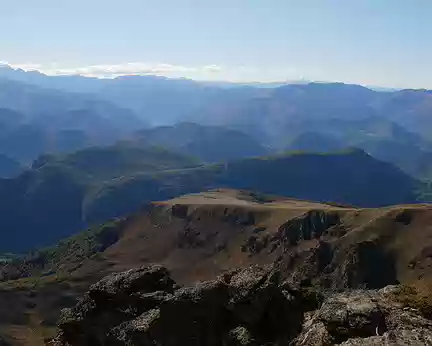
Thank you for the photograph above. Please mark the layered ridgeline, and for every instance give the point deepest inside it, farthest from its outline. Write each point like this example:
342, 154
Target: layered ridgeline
269, 110
61, 195
310, 246
36, 120
381, 138
42, 114
209, 143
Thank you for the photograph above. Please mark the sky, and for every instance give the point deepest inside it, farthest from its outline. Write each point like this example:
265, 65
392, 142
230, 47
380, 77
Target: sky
370, 42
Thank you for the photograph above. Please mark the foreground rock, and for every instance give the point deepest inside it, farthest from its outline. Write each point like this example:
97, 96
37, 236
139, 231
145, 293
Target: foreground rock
244, 307
145, 307
364, 317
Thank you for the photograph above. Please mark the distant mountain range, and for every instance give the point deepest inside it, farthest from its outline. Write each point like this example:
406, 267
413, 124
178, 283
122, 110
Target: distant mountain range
36, 120
42, 114
78, 151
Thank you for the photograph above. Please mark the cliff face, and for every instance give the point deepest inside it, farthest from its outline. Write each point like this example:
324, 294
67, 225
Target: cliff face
252, 306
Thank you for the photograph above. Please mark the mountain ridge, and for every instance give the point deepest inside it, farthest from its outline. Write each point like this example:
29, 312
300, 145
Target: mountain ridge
101, 112
198, 237
82, 194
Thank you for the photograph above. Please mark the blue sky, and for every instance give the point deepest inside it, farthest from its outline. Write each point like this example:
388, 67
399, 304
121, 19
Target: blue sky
373, 42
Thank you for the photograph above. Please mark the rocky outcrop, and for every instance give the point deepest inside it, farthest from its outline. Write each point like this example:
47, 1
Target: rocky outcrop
145, 307
311, 225
251, 306
364, 317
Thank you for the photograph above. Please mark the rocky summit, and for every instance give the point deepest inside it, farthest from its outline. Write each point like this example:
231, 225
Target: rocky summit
251, 306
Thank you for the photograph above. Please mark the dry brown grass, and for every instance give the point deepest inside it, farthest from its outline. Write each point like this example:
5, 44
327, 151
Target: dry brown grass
417, 295
214, 218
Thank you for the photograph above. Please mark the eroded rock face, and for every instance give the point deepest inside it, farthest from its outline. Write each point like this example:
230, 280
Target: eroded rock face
364, 317
312, 225
248, 307
332, 265
144, 307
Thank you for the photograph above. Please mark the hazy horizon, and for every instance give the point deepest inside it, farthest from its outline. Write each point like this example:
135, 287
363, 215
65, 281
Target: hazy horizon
383, 44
